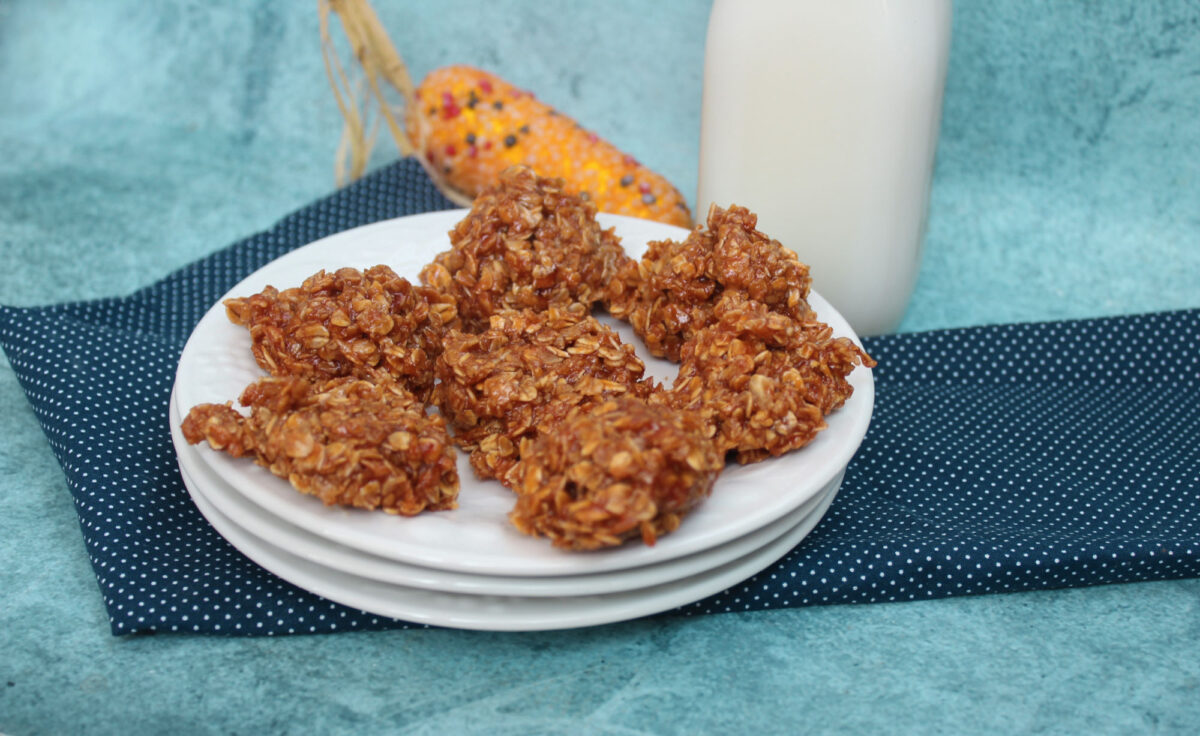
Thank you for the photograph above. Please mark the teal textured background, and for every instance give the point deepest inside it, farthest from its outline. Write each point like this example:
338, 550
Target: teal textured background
136, 137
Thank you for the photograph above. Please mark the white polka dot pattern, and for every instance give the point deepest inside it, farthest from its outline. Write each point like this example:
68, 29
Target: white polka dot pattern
1007, 458
1000, 458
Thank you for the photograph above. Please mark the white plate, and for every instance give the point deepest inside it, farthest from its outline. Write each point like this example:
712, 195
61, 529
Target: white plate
292, 539
217, 364
498, 613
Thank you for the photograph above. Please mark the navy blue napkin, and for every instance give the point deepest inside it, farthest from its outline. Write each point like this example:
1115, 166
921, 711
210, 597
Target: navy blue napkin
1004, 458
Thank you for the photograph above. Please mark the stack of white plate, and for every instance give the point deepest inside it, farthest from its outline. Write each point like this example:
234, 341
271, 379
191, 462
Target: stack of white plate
470, 568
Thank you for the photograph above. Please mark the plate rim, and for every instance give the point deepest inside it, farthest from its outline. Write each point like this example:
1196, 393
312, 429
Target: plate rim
583, 611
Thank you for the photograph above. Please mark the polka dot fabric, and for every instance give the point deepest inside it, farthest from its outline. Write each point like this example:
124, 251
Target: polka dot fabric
1008, 458
98, 375
1000, 459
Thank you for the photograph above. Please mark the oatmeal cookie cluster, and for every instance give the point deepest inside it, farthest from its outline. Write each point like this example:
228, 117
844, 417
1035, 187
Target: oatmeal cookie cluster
730, 305
368, 324
525, 244
672, 291
612, 471
347, 441
517, 379
500, 337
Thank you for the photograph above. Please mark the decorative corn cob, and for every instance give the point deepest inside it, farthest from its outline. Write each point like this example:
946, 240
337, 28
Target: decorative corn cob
467, 125
470, 125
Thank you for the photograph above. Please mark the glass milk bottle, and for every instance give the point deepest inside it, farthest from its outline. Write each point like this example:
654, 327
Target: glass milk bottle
822, 117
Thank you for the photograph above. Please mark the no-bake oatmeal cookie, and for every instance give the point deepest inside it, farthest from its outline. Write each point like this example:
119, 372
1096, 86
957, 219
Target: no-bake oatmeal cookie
347, 441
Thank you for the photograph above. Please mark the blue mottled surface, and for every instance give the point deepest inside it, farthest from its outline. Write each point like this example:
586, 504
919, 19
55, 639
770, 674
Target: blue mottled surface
135, 137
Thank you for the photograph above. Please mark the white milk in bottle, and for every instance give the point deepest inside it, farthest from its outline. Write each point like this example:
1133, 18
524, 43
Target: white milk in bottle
822, 117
